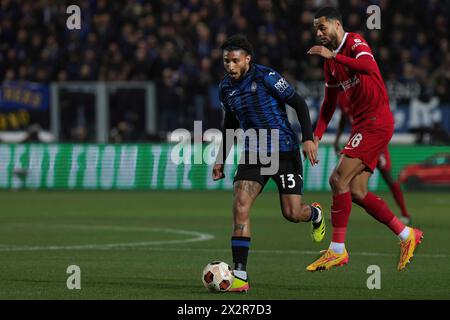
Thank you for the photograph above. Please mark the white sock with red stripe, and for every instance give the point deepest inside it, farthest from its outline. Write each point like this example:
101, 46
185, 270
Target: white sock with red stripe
404, 234
337, 247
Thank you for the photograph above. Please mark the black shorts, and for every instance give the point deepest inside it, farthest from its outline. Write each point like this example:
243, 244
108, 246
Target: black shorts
289, 178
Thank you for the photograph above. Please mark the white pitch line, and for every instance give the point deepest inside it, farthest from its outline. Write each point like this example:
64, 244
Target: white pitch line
139, 245
99, 227
299, 252
197, 236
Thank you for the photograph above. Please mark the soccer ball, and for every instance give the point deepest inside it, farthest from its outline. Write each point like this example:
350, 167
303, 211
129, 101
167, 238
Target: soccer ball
217, 276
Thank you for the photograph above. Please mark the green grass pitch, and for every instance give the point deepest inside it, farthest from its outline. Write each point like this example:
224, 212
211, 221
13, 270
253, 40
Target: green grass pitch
154, 245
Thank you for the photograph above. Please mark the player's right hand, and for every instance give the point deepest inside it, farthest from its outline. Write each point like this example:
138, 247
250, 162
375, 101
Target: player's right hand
310, 151
316, 143
217, 173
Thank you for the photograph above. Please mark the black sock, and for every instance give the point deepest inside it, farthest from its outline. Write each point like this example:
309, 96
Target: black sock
239, 248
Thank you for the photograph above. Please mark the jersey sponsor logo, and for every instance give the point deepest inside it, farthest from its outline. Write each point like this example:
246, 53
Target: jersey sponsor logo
347, 84
281, 85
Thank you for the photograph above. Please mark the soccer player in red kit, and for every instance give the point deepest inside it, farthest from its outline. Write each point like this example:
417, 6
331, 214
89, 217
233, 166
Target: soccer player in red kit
350, 66
384, 159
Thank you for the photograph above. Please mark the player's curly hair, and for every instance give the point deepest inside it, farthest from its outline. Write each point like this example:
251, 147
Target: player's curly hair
238, 42
330, 13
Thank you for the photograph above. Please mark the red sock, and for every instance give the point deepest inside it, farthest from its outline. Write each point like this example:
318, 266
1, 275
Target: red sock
398, 196
340, 212
378, 209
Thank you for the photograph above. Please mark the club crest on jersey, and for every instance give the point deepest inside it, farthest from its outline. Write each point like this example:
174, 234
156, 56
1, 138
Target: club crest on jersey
358, 42
254, 86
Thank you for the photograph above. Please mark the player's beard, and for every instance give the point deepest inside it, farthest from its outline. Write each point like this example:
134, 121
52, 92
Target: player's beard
241, 73
332, 43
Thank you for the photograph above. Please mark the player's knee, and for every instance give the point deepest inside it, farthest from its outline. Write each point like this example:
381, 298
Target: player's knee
338, 185
333, 181
241, 209
358, 194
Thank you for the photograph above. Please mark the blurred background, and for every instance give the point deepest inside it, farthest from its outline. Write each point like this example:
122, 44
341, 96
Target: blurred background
175, 46
87, 175
137, 70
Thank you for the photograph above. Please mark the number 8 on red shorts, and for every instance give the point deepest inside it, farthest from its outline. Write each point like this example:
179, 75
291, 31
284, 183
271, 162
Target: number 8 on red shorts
367, 142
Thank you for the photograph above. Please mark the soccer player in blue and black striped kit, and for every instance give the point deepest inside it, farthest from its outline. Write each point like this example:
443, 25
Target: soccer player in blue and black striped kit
254, 98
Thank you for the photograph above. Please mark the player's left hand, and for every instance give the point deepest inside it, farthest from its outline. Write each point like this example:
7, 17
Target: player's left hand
322, 51
310, 151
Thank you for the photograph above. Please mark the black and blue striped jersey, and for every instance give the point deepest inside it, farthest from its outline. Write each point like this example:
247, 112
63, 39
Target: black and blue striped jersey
258, 102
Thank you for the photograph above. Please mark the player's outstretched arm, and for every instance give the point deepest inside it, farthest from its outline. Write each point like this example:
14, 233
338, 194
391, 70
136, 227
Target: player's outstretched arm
302, 111
229, 122
363, 64
301, 108
326, 111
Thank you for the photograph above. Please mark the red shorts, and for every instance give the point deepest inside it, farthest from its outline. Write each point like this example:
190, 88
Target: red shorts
384, 160
368, 141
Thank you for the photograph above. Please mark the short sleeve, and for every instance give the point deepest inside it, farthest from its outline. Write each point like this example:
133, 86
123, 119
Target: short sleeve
278, 86
359, 47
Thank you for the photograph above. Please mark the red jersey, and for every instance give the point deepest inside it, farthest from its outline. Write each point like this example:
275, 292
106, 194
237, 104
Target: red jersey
355, 71
344, 105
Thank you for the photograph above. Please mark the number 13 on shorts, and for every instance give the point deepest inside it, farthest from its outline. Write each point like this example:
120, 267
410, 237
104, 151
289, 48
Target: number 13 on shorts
290, 180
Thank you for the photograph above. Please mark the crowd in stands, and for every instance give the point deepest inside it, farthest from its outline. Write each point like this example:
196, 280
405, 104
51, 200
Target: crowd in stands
176, 43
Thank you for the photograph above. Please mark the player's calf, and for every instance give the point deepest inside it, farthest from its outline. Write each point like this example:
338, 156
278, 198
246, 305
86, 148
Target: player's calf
297, 214
307, 213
